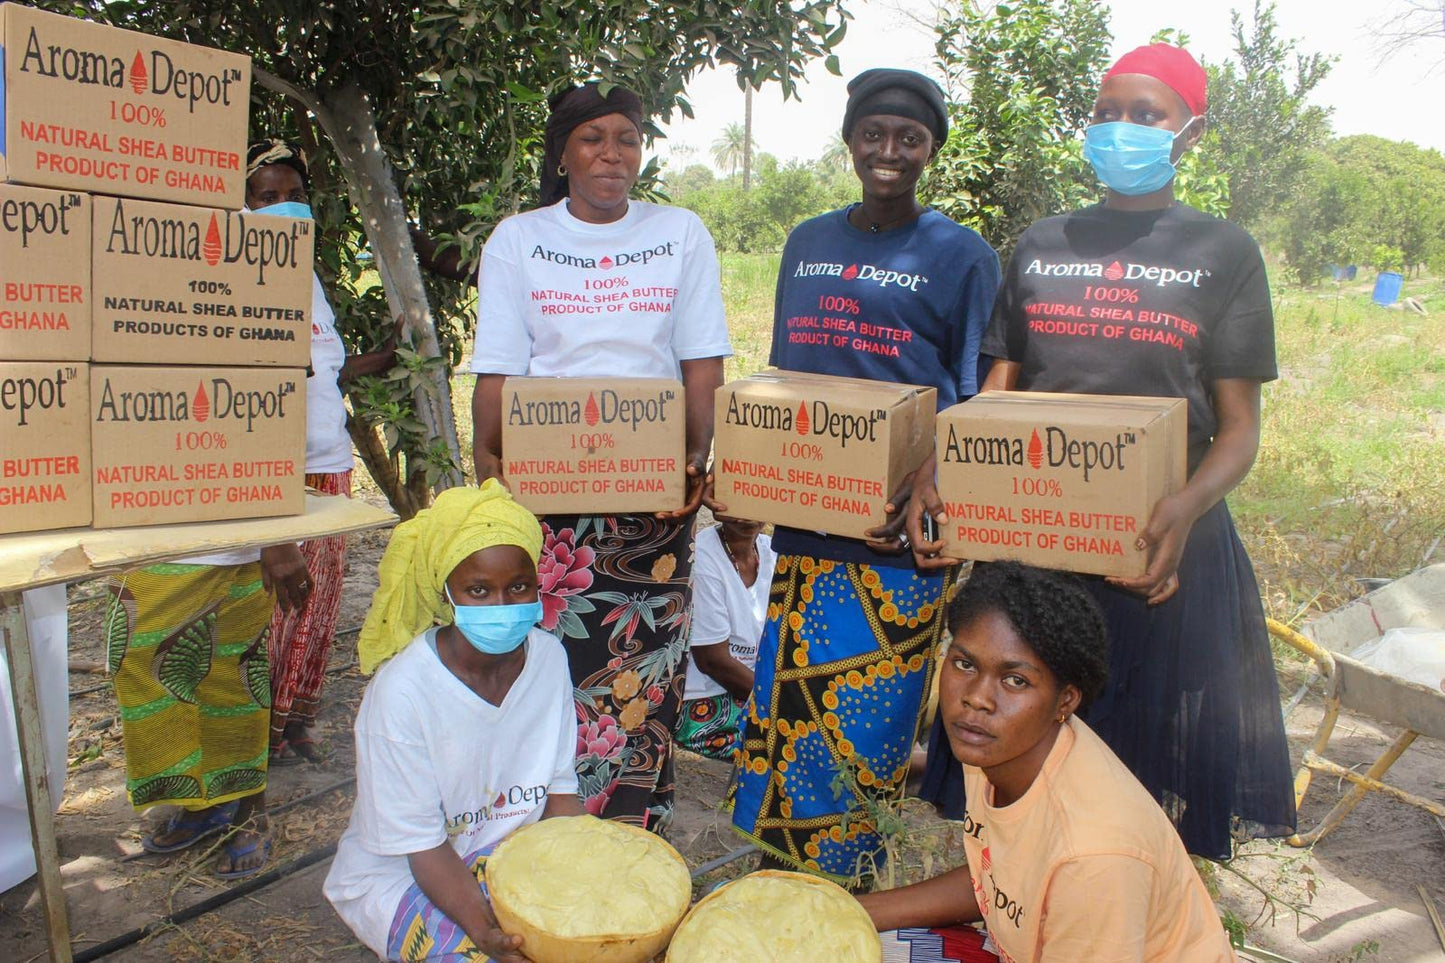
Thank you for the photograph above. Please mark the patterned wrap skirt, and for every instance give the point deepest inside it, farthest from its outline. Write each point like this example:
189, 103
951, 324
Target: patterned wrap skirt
846, 660
420, 931
617, 590
301, 639
944, 944
186, 645
712, 726
1191, 705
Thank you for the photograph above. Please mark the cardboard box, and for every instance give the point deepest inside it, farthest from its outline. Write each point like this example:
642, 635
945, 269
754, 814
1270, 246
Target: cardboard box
815, 451
1058, 480
597, 445
44, 275
174, 445
193, 285
44, 446
93, 108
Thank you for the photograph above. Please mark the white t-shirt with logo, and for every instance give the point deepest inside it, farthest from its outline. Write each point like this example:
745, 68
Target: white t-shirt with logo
559, 297
437, 763
328, 446
724, 609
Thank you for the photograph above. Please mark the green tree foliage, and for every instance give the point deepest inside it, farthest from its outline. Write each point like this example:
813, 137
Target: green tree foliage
1365, 200
782, 196
433, 110
1027, 71
1262, 127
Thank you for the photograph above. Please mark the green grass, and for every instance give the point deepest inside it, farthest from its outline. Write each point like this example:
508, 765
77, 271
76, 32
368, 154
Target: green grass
1348, 480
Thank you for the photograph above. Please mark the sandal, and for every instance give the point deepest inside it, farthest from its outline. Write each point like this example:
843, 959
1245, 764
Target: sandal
292, 752
198, 825
237, 851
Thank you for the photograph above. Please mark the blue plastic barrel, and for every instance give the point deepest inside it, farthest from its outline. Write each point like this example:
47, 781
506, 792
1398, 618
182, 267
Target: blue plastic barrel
1387, 288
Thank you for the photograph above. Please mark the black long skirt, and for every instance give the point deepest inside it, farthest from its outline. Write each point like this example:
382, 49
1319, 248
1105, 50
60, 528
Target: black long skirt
1192, 704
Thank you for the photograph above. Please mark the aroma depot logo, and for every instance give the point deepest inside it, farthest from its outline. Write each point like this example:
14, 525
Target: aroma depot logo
153, 72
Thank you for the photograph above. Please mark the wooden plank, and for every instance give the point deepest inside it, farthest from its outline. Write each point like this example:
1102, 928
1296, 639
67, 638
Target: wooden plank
37, 782
44, 558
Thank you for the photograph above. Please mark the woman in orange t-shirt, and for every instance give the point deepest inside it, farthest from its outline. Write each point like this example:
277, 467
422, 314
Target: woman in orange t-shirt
1069, 858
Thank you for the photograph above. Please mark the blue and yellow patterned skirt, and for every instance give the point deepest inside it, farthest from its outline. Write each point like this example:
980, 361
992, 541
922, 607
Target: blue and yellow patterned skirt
845, 662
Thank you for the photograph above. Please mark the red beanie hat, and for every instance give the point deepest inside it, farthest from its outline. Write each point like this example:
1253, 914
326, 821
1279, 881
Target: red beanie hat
1172, 66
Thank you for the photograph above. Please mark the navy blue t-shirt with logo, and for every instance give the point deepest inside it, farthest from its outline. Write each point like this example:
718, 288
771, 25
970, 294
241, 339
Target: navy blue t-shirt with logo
908, 306
1160, 303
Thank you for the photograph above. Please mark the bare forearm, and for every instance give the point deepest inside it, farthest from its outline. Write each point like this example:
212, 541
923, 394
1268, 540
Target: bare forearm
487, 426
716, 662
562, 804
941, 901
367, 363
1225, 465
447, 882
700, 380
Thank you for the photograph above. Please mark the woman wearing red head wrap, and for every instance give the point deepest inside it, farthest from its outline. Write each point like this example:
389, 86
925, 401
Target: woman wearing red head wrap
1191, 705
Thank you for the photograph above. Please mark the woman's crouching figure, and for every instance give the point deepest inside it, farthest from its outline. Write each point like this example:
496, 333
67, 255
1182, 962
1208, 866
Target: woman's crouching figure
1069, 858
468, 733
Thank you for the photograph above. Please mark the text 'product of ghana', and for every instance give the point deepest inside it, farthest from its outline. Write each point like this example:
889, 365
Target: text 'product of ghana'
779, 917
579, 889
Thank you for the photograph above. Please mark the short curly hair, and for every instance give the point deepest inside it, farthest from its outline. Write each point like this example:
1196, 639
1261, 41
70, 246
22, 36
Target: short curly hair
1051, 611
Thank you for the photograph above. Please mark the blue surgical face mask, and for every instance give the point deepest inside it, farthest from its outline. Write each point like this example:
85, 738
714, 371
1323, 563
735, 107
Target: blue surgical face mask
286, 209
1132, 159
495, 629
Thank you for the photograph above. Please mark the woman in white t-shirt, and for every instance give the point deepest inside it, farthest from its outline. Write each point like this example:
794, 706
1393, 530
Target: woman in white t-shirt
277, 181
731, 575
467, 732
596, 285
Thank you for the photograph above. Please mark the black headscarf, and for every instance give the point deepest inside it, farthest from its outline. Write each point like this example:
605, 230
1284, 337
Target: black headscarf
570, 109
277, 151
901, 93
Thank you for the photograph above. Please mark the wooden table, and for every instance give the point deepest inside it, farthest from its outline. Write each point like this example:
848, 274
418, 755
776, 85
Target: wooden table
46, 558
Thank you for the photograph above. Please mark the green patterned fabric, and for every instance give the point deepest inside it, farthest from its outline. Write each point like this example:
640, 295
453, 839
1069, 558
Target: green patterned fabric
187, 647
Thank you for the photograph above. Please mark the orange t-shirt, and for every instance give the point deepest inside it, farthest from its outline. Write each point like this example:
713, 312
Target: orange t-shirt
1086, 866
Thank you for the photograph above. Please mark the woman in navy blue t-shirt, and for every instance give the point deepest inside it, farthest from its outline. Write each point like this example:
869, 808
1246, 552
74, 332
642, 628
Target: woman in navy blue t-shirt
891, 291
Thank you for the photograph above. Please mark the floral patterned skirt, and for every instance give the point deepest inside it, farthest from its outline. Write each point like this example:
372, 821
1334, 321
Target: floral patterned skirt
617, 590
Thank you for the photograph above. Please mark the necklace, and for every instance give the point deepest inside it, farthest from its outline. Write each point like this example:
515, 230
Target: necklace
737, 566
878, 227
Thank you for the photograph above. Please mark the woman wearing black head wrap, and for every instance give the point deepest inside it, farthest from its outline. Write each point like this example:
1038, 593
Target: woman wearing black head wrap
539, 314
911, 292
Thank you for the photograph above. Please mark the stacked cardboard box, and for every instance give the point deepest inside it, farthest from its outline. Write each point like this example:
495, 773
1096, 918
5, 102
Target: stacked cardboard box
151, 350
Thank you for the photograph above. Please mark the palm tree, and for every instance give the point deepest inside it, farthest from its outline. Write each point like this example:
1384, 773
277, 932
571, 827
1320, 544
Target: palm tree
730, 148
836, 155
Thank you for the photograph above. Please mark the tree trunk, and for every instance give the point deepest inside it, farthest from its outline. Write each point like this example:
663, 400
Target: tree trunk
747, 138
346, 116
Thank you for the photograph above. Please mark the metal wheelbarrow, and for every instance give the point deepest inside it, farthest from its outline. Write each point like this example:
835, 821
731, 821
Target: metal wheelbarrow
1416, 600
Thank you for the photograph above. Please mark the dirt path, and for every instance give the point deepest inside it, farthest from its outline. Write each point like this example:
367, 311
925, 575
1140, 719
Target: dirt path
1358, 886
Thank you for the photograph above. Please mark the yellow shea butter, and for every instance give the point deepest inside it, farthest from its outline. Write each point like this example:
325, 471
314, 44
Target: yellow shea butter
583, 888
779, 917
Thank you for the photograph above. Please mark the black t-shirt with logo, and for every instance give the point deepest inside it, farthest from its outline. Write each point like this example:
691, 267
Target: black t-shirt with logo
1158, 303
907, 306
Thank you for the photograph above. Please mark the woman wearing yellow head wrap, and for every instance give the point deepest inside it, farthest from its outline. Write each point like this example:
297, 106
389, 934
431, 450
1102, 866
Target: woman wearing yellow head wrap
467, 732
425, 550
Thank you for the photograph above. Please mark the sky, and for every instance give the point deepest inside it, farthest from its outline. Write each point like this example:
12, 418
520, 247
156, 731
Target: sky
1399, 97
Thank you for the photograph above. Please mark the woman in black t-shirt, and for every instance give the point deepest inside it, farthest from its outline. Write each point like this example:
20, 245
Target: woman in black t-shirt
1141, 295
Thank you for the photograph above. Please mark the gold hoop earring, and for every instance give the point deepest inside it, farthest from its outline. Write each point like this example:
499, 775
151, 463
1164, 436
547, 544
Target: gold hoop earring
561, 170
